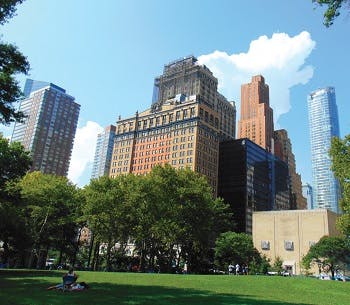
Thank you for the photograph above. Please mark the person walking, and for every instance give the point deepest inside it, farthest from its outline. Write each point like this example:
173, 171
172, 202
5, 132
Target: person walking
237, 269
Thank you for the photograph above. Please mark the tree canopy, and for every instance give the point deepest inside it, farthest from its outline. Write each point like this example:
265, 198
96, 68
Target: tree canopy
170, 215
340, 155
53, 206
233, 248
14, 161
8, 9
333, 9
328, 253
12, 62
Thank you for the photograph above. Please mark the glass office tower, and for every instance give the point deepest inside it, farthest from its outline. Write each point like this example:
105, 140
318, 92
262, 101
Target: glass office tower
103, 152
323, 124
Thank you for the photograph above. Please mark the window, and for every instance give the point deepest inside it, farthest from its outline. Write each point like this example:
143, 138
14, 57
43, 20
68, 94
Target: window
185, 113
192, 112
265, 245
288, 245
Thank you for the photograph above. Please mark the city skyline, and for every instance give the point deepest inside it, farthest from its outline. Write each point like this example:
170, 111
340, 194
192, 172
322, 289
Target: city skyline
295, 57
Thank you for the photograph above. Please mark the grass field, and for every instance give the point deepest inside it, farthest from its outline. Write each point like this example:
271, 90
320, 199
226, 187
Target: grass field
29, 288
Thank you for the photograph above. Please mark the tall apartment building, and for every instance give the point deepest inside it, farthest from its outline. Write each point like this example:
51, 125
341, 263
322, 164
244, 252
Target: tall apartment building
323, 125
103, 152
251, 179
187, 120
307, 193
49, 129
283, 150
256, 121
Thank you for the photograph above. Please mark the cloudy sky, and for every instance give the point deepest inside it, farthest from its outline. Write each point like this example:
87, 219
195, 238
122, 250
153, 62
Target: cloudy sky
107, 53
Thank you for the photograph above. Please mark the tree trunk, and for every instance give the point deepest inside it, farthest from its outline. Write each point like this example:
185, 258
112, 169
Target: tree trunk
95, 260
76, 250
90, 250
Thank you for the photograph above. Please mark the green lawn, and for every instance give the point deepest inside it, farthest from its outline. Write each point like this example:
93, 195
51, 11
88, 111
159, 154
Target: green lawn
29, 287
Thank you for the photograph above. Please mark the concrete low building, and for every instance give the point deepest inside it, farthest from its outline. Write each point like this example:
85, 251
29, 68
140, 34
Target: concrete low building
289, 234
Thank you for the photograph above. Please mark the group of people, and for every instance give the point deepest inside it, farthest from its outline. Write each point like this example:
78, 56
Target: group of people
69, 283
237, 269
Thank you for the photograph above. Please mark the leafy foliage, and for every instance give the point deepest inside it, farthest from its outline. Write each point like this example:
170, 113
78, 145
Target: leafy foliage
328, 252
12, 62
169, 214
52, 206
233, 248
8, 9
333, 9
340, 155
14, 163
278, 265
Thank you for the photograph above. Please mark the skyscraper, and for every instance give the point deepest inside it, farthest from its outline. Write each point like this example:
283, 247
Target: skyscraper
49, 129
103, 152
256, 121
186, 122
283, 150
251, 179
307, 193
323, 125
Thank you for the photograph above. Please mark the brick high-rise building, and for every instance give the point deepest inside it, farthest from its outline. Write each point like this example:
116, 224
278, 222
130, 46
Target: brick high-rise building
49, 129
283, 150
256, 121
187, 120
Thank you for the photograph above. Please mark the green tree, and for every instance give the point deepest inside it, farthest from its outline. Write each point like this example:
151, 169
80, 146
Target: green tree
278, 265
333, 9
108, 213
8, 9
340, 156
328, 252
52, 204
169, 214
14, 163
12, 62
233, 248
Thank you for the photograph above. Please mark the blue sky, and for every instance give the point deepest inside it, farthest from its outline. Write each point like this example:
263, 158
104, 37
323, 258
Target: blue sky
107, 53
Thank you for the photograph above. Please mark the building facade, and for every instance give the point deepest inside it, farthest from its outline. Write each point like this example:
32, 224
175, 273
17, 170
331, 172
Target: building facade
283, 150
251, 179
187, 120
307, 193
103, 152
49, 129
323, 125
256, 121
289, 234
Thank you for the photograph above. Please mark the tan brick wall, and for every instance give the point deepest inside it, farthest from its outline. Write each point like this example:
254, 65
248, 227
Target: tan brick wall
301, 227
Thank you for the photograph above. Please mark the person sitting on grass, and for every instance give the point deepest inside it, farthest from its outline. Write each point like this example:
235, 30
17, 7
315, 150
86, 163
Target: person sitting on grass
69, 279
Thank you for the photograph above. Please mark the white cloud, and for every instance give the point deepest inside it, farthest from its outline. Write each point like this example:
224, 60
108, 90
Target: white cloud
280, 59
83, 151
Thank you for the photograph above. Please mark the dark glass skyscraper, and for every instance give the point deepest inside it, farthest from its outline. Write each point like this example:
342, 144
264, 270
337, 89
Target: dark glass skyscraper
251, 179
49, 129
323, 124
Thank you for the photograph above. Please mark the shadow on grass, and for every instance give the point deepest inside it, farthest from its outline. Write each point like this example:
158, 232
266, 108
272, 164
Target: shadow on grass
19, 289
